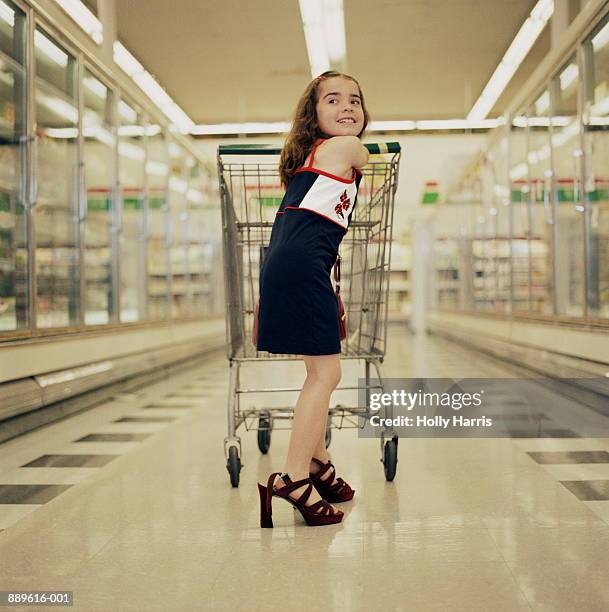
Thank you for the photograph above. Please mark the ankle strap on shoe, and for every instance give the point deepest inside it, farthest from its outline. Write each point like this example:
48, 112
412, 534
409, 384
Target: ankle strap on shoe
323, 468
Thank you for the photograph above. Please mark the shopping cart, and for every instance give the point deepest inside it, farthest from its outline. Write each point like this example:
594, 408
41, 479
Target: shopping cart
250, 195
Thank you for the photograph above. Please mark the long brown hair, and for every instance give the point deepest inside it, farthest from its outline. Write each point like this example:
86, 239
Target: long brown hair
305, 129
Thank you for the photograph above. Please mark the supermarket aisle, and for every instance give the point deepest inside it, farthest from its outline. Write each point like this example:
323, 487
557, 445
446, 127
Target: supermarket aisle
154, 524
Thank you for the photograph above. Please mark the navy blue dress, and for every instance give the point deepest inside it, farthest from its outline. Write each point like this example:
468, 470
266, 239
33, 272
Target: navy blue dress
298, 311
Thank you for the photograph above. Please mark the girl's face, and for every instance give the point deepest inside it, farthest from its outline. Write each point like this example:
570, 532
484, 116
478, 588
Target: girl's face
339, 107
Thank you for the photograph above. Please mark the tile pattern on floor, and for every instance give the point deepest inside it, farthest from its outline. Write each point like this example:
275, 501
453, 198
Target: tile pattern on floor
43, 478
468, 524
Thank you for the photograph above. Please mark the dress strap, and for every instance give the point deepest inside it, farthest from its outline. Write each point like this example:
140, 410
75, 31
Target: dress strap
317, 143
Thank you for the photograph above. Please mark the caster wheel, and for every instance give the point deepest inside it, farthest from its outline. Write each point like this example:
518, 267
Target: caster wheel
264, 434
328, 437
390, 458
233, 465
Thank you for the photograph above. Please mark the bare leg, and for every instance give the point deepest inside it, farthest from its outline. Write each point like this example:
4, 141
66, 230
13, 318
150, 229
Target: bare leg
310, 416
321, 453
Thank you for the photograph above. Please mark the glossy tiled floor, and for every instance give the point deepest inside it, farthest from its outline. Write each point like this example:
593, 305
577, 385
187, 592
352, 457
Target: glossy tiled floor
473, 524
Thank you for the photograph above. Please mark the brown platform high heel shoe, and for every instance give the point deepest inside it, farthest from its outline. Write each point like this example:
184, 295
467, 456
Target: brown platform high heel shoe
338, 492
319, 513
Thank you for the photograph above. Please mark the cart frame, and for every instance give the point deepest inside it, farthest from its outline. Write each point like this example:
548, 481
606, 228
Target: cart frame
249, 195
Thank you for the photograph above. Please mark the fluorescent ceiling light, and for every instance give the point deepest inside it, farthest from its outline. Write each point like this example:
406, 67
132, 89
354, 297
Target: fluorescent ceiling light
60, 132
278, 127
334, 29
519, 121
388, 126
374, 126
458, 124
517, 51
125, 60
131, 130
7, 14
323, 23
153, 130
50, 50
139, 130
556, 121
311, 13
151, 88
84, 18
162, 99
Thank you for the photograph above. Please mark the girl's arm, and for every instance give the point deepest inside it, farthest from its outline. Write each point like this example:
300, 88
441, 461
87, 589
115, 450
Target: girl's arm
350, 149
343, 152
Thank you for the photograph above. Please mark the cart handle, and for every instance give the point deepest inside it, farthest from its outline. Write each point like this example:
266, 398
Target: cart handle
258, 149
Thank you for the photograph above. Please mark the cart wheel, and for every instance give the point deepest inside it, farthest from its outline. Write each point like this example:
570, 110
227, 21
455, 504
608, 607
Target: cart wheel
328, 437
390, 458
264, 434
233, 465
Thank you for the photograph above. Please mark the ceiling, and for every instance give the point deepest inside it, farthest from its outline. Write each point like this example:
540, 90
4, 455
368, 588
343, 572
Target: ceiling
246, 60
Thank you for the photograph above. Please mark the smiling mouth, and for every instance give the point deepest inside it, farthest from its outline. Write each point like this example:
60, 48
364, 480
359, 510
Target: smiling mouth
346, 121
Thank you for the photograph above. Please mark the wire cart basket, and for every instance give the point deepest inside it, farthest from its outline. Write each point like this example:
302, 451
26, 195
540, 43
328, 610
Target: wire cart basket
250, 193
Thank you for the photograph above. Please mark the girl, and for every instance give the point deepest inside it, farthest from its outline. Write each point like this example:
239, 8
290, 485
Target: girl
298, 310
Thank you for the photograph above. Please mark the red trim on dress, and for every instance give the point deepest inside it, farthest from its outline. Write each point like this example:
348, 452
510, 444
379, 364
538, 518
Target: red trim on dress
317, 213
317, 143
309, 166
279, 213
